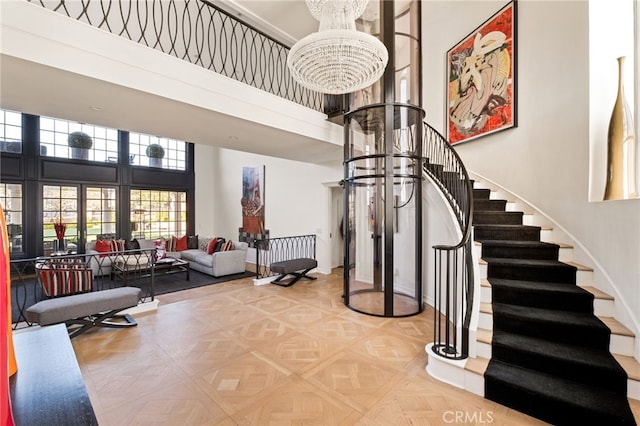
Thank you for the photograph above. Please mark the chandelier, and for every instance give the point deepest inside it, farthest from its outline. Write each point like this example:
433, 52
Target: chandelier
337, 59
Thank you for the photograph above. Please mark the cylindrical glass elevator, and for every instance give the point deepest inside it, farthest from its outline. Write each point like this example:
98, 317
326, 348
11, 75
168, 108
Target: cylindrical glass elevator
383, 172
383, 188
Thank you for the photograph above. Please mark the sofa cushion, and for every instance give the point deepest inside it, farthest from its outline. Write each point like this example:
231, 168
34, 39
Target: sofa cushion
228, 245
204, 259
145, 244
190, 254
192, 242
131, 245
211, 247
103, 246
181, 244
161, 251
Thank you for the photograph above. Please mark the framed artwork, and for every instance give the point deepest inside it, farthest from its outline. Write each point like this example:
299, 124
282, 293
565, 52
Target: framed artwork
253, 200
481, 90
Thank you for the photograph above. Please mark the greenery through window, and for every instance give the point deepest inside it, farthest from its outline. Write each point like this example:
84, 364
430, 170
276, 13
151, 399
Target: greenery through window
11, 201
157, 214
154, 151
97, 143
10, 131
59, 204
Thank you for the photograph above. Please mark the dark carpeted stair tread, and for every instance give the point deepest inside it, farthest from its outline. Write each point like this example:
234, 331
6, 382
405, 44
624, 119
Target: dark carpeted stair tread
578, 363
577, 328
489, 205
553, 399
481, 193
550, 315
529, 262
542, 270
518, 244
506, 232
488, 217
548, 295
520, 249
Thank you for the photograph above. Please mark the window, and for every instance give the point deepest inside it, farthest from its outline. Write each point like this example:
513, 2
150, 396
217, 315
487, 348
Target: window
172, 154
101, 215
11, 201
158, 213
10, 131
59, 203
54, 141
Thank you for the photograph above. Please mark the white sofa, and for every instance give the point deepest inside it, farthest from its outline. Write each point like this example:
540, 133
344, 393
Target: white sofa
216, 264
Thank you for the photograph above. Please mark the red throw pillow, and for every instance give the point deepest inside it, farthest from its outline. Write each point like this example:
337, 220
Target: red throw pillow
103, 246
181, 243
212, 245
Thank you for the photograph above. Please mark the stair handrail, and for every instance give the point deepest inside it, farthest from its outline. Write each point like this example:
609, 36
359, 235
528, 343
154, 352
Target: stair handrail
454, 279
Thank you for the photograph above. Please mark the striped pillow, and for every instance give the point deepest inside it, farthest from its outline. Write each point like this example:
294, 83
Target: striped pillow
64, 277
228, 246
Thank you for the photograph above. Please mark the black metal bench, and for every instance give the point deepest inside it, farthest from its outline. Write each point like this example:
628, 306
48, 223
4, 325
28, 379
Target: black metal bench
296, 267
92, 309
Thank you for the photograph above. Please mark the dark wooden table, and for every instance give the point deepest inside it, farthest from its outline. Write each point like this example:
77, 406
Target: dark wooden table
48, 388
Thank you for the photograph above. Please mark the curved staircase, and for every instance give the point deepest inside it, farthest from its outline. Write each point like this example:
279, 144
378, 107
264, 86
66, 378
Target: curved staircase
541, 346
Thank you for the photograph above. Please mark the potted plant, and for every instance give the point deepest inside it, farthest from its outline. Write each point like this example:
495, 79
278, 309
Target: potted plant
80, 144
155, 152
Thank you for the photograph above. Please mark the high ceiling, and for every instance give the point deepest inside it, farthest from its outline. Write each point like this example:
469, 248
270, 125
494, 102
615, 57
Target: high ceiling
38, 89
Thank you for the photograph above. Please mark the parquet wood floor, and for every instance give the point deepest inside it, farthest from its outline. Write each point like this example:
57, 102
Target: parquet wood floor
236, 354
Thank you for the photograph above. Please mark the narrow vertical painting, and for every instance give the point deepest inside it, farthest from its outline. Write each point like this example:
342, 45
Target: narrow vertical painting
253, 200
481, 69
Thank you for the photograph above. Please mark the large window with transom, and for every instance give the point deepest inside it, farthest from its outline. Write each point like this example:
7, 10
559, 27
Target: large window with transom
158, 213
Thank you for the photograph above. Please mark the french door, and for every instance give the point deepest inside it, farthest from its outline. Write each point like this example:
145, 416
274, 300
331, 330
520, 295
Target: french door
85, 212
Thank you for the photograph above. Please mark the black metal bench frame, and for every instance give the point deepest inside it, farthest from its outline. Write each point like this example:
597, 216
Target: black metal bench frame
296, 267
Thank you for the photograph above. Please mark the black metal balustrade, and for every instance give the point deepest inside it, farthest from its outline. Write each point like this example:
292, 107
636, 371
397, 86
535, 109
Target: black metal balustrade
32, 279
273, 250
198, 32
454, 282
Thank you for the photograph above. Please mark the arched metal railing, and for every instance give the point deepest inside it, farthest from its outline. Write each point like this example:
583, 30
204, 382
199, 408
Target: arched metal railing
271, 250
454, 290
198, 32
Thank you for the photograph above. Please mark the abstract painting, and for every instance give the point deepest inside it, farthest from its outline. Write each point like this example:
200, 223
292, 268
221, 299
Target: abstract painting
481, 69
253, 200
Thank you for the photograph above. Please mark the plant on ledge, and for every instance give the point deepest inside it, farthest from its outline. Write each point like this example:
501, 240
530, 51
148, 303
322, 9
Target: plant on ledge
155, 152
80, 144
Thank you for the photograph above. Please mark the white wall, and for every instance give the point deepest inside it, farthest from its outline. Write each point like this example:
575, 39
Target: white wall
545, 160
297, 197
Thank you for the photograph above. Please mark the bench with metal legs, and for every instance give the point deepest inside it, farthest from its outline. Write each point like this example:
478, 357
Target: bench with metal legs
298, 268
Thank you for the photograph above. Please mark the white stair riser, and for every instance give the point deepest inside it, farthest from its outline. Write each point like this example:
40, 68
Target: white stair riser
485, 294
621, 345
483, 350
485, 321
603, 307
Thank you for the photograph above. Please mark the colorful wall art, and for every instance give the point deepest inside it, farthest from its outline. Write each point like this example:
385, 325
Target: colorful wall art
481, 93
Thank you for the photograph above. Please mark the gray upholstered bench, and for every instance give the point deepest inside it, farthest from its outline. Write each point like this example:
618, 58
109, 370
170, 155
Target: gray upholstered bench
296, 267
92, 309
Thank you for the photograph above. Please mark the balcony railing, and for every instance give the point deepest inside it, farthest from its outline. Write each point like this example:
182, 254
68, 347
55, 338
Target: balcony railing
198, 32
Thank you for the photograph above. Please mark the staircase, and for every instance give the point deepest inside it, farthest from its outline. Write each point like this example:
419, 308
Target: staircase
549, 353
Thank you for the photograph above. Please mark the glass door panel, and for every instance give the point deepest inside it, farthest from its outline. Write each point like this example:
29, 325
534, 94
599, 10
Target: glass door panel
63, 204
59, 206
100, 213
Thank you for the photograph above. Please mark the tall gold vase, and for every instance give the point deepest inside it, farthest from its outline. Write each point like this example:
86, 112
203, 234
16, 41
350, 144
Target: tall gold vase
621, 148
